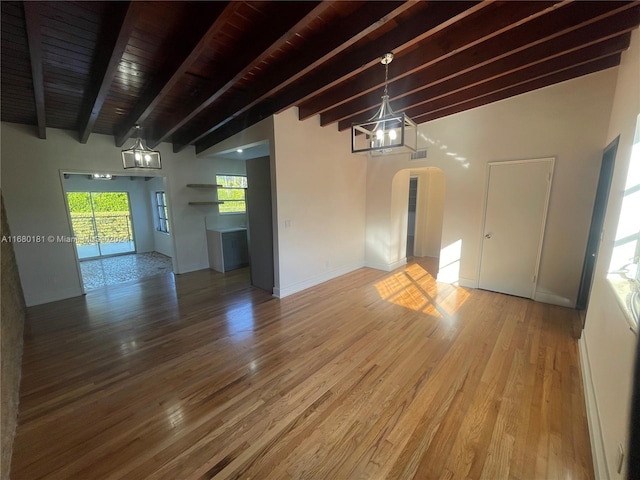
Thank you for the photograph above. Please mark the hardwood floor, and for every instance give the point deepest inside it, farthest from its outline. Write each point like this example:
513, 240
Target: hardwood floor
373, 375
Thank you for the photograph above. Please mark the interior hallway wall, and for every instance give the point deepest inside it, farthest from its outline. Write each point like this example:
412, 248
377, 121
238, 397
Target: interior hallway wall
607, 344
320, 198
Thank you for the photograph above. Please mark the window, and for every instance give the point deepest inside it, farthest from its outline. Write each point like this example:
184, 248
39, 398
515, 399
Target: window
624, 270
626, 251
162, 212
231, 192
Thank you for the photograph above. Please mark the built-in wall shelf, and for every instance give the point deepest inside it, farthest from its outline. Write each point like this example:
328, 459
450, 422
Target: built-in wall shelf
203, 185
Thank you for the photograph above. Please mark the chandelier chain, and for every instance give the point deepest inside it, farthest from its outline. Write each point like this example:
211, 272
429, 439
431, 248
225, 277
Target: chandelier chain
386, 77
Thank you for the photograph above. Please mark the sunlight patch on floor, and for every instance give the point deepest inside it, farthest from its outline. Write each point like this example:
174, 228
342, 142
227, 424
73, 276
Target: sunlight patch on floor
414, 288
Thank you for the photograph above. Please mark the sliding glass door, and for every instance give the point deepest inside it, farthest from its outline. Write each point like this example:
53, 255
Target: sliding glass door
101, 223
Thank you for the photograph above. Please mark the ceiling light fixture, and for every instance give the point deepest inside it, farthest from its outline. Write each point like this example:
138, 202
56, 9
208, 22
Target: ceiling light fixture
386, 133
139, 156
101, 176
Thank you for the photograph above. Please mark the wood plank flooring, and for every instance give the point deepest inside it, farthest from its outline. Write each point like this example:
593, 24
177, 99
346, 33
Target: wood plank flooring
373, 375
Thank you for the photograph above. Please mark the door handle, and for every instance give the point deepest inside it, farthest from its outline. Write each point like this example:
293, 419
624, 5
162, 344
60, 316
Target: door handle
488, 235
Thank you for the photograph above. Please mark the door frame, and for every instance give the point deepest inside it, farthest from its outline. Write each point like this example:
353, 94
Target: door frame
545, 213
415, 214
599, 210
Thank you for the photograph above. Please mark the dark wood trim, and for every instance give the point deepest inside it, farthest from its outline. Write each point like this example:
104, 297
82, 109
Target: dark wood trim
539, 58
437, 17
341, 36
34, 38
242, 67
586, 69
107, 66
492, 21
534, 31
163, 84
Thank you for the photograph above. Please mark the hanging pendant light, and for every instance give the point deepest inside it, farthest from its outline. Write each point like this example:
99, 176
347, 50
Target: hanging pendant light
386, 133
139, 156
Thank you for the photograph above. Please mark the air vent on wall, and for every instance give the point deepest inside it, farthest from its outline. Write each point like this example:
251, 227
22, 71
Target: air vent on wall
419, 155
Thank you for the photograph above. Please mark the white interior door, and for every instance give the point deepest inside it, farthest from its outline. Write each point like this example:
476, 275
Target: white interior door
515, 215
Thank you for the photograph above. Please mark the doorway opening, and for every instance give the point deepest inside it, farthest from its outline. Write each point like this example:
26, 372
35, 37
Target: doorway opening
411, 218
424, 192
120, 227
240, 232
597, 223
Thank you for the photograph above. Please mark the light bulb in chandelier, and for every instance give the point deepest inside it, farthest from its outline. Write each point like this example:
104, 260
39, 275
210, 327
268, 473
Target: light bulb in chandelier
386, 132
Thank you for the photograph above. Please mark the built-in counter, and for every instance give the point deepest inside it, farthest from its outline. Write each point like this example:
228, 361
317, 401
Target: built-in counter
228, 248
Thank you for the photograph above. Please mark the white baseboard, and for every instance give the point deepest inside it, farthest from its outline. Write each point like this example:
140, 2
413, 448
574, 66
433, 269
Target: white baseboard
593, 417
467, 282
553, 299
281, 292
194, 267
387, 267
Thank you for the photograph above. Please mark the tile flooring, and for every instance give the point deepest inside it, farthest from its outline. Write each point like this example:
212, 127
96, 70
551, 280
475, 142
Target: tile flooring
123, 268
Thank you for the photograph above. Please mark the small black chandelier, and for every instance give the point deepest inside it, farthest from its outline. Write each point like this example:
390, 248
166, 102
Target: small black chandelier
139, 156
386, 133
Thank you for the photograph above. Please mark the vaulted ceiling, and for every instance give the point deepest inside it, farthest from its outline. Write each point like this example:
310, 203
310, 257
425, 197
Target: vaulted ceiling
195, 73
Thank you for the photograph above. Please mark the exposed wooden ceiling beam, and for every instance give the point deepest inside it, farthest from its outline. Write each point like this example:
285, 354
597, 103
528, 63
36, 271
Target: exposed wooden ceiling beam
341, 35
171, 75
557, 65
216, 68
34, 38
536, 30
107, 64
469, 68
532, 70
280, 31
438, 17
431, 18
591, 67
497, 19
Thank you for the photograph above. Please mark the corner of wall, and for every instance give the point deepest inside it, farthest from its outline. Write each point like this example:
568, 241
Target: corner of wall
12, 318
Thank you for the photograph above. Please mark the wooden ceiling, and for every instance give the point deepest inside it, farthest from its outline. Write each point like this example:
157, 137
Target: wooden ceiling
195, 73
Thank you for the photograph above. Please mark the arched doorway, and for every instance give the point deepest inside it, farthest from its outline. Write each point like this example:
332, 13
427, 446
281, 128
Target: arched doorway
420, 216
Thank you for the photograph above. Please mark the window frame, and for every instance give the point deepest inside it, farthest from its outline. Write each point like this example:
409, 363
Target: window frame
624, 262
222, 187
162, 212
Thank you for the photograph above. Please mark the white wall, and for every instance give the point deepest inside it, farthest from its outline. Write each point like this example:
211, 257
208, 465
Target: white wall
162, 242
607, 345
32, 188
567, 121
320, 199
139, 203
